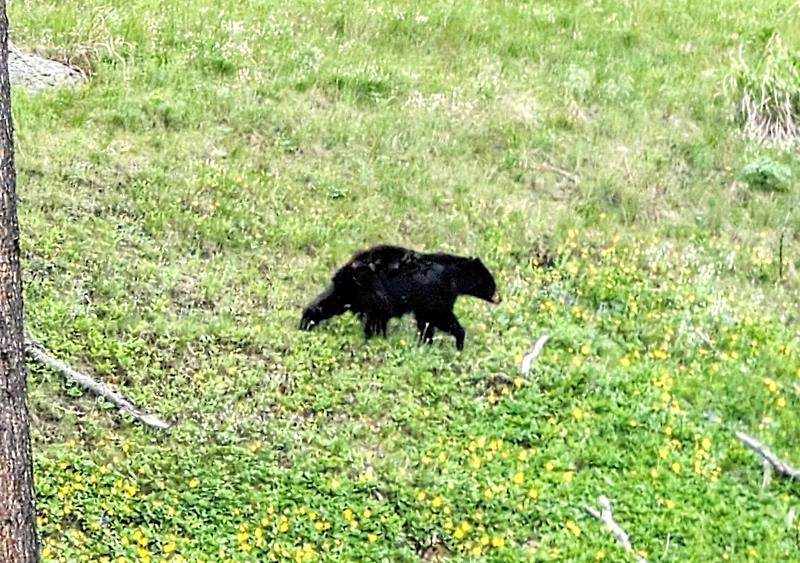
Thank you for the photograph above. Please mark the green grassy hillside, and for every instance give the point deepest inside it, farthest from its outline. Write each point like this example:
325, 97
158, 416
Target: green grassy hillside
180, 209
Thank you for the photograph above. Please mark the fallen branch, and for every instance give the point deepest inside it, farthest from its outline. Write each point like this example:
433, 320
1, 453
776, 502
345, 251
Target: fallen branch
607, 517
39, 353
780, 466
704, 338
574, 178
547, 163
525, 366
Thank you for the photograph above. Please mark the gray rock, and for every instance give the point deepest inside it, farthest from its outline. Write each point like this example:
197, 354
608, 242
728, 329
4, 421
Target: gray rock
34, 72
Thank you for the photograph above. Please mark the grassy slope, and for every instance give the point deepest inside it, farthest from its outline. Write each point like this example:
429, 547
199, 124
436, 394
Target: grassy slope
180, 210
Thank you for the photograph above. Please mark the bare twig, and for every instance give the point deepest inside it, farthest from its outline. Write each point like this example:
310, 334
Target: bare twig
529, 358
704, 337
780, 466
574, 178
546, 163
39, 353
607, 517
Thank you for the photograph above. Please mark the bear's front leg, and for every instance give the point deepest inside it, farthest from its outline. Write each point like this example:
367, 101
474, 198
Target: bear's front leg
448, 322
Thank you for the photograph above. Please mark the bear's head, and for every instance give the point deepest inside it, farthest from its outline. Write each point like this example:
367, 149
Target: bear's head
477, 280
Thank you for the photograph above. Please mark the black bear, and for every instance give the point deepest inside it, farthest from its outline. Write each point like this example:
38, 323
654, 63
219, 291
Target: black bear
385, 281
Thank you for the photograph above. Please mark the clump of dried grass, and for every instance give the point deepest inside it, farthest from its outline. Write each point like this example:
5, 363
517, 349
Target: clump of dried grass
768, 94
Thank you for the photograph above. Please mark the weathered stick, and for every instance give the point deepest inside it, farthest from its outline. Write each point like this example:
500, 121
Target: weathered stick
547, 164
607, 517
574, 178
529, 358
780, 466
39, 353
704, 338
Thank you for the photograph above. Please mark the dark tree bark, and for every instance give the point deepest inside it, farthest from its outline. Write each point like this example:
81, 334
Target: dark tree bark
18, 540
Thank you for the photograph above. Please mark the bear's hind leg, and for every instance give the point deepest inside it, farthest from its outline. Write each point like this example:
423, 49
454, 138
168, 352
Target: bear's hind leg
374, 324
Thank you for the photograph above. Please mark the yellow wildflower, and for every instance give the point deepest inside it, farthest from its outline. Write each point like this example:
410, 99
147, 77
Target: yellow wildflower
573, 528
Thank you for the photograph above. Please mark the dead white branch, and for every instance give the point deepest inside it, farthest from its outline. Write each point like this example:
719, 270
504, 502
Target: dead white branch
780, 466
39, 353
574, 178
606, 516
529, 358
704, 337
546, 162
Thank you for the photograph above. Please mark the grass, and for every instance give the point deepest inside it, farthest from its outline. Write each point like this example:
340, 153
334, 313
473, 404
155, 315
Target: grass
770, 104
180, 209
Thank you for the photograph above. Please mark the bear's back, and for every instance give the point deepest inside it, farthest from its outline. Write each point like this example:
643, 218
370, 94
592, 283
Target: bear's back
382, 257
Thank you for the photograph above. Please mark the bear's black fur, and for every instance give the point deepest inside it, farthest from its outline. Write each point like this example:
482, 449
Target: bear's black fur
389, 281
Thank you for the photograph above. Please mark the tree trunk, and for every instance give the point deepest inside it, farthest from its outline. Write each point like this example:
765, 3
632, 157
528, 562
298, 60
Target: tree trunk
18, 541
